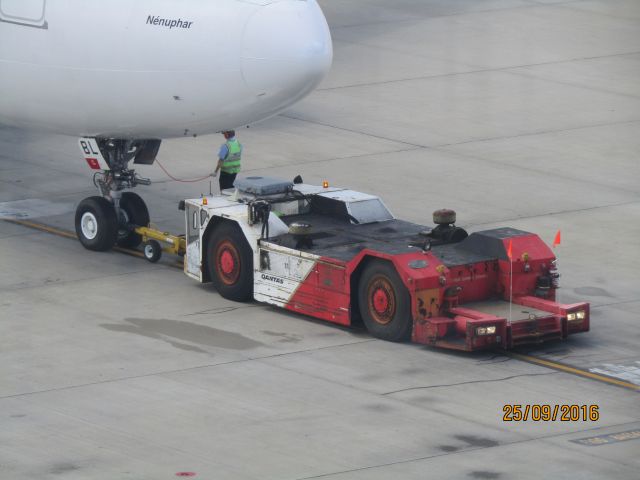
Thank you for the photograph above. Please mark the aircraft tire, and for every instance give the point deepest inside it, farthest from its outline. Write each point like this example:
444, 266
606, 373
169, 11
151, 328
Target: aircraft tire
137, 214
230, 262
384, 302
96, 224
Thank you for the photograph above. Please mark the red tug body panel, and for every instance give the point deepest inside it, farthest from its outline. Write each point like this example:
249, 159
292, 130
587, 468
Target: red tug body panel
497, 302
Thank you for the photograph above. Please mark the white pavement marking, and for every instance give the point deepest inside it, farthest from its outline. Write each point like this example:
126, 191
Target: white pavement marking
629, 373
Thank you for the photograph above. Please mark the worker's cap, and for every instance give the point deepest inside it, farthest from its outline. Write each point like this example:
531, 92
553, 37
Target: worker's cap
229, 133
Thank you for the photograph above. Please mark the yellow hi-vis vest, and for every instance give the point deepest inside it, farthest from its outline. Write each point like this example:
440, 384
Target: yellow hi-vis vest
231, 163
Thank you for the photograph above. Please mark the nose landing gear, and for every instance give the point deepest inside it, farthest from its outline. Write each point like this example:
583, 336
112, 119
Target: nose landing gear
103, 221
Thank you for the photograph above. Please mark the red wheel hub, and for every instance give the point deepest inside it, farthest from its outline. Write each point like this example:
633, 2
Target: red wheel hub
380, 300
227, 262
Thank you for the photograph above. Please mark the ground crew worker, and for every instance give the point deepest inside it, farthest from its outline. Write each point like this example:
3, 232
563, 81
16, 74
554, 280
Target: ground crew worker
228, 160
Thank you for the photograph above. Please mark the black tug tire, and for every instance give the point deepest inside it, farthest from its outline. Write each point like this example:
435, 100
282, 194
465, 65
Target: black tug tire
230, 262
137, 214
96, 224
385, 303
152, 251
444, 216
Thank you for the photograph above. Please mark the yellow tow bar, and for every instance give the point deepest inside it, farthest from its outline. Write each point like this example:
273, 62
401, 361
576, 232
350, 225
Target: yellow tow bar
154, 239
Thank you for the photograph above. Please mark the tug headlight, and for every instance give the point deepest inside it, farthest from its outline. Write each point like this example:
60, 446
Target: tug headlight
579, 315
491, 330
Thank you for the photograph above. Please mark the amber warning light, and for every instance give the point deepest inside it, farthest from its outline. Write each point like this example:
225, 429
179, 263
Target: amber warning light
325, 184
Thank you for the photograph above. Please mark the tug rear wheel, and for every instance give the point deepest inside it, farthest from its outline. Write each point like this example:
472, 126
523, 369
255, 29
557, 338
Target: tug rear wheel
230, 262
136, 214
96, 224
385, 303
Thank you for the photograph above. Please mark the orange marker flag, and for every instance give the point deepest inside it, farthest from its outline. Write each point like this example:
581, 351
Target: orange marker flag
556, 241
510, 250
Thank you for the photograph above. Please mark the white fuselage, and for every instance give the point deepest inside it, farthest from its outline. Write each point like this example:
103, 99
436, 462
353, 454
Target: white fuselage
156, 68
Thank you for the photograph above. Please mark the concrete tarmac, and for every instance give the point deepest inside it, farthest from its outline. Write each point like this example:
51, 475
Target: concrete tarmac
515, 113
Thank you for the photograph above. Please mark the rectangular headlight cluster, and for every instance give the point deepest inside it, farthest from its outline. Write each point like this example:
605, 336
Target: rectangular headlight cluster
490, 330
574, 316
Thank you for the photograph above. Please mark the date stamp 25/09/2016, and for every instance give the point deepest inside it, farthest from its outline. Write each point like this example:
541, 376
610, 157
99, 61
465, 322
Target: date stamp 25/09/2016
550, 413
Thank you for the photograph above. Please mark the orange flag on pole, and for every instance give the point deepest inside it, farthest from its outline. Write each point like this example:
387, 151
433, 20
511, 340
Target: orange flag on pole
556, 241
510, 250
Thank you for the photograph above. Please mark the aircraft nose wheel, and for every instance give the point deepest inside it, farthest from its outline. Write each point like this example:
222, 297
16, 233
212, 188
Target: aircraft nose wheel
134, 212
96, 224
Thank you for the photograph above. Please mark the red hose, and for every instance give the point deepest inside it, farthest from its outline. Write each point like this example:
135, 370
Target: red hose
179, 180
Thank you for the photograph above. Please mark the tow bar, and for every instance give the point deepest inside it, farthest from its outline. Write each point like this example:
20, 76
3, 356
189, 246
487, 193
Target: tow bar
152, 247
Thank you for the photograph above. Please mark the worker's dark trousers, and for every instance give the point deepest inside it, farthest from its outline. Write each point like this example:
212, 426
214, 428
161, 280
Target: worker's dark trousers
226, 180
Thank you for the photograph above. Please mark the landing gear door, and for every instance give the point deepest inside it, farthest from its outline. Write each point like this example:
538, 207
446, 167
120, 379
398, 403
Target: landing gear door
193, 262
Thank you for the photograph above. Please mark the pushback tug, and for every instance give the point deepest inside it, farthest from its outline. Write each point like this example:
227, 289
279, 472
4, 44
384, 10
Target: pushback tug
340, 255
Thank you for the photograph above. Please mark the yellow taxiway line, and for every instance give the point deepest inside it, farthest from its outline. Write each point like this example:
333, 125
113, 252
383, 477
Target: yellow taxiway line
43, 228
519, 356
67, 234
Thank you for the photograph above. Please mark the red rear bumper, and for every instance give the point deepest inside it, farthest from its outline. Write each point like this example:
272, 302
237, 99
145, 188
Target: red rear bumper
467, 329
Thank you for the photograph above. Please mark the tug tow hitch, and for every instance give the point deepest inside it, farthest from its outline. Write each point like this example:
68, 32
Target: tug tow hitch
155, 239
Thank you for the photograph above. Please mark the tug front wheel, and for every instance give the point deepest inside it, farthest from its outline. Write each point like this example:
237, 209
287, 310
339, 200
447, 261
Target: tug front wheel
96, 224
385, 303
230, 262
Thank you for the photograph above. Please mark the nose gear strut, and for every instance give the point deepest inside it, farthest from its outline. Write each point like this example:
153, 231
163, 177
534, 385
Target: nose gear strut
118, 154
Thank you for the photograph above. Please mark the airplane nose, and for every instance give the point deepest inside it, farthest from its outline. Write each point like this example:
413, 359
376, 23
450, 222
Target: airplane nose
287, 49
